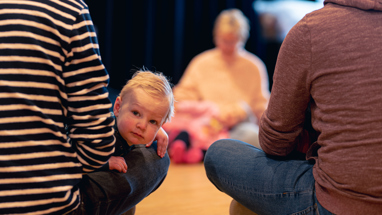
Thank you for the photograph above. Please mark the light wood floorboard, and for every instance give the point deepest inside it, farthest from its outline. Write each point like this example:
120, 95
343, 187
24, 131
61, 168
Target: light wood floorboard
185, 191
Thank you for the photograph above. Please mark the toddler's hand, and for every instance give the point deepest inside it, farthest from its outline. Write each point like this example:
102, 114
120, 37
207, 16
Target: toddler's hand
117, 163
162, 142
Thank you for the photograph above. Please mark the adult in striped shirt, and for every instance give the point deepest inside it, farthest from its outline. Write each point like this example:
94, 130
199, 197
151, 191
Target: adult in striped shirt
55, 123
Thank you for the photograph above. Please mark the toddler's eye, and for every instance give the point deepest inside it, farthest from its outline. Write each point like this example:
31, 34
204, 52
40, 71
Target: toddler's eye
135, 113
153, 122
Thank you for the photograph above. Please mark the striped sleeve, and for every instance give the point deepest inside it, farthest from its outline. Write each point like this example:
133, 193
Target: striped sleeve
55, 123
89, 119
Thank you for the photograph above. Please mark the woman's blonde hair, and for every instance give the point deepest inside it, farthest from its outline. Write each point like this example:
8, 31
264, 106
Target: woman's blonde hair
154, 84
232, 21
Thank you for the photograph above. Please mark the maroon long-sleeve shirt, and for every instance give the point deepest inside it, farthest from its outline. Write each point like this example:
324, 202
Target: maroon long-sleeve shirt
334, 57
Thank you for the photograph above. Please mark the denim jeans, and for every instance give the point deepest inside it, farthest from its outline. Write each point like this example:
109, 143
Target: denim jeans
111, 192
263, 184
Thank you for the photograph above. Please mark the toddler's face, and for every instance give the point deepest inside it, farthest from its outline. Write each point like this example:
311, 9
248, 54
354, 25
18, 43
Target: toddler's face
140, 116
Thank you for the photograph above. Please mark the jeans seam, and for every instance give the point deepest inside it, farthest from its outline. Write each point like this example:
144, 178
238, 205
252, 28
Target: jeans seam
261, 193
305, 211
316, 208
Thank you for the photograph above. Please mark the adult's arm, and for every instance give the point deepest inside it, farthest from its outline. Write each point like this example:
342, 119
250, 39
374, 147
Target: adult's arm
187, 89
257, 92
90, 124
282, 122
261, 93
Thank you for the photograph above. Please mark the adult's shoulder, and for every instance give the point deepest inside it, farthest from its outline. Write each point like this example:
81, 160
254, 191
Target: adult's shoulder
79, 4
206, 56
68, 9
254, 60
250, 56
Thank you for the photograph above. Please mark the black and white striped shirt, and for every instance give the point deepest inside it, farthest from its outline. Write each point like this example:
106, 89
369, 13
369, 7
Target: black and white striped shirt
55, 123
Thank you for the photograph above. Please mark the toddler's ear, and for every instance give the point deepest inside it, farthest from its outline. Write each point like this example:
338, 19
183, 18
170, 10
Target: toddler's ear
117, 106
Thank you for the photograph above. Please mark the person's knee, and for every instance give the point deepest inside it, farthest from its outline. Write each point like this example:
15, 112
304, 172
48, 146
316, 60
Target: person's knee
143, 157
214, 151
216, 147
165, 163
160, 173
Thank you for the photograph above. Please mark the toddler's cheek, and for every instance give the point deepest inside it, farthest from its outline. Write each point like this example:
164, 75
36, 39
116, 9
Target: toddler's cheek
123, 127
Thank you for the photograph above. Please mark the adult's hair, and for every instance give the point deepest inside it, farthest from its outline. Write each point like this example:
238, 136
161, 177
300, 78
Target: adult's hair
232, 21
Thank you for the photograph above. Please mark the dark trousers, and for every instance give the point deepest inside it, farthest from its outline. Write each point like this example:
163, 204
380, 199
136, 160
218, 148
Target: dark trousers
111, 192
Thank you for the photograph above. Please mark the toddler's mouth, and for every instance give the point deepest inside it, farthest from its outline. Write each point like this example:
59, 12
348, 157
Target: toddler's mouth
137, 134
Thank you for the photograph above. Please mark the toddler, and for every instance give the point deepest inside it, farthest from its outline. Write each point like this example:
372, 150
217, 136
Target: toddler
139, 163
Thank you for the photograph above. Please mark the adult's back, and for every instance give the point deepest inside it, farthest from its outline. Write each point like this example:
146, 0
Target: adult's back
329, 60
55, 123
333, 55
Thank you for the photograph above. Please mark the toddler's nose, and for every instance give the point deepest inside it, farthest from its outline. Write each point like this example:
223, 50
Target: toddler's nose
142, 124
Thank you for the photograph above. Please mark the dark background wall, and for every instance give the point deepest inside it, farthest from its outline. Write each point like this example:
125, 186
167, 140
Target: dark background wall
164, 35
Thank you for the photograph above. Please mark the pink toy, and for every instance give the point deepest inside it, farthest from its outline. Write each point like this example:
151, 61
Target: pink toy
201, 122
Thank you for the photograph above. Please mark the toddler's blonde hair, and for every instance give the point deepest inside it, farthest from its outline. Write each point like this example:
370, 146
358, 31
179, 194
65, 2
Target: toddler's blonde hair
154, 84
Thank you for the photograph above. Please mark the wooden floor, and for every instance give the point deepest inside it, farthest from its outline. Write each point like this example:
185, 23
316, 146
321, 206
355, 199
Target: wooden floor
185, 191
